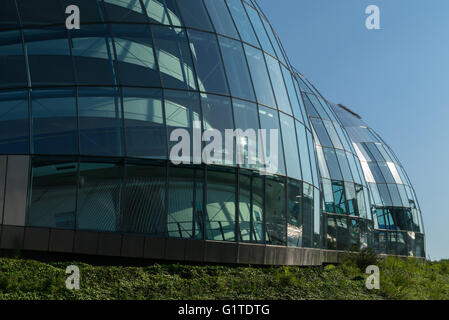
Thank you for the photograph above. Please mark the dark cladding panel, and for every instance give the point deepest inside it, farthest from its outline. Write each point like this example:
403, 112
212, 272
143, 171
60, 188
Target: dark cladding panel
16, 190
2, 184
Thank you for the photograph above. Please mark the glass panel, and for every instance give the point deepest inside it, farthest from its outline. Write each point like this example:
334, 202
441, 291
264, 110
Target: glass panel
54, 123
49, 12
316, 219
163, 11
313, 159
49, 57
144, 201
185, 205
99, 202
295, 218
8, 15
181, 110
236, 68
99, 112
135, 56
14, 122
320, 130
339, 197
242, 22
304, 152
332, 163
93, 55
91, 11
308, 215
332, 134
260, 30
53, 193
344, 166
207, 59
221, 18
173, 55
144, 123
274, 41
124, 11
221, 197
259, 75
275, 211
194, 14
12, 60
292, 93
351, 200
245, 114
217, 114
269, 119
328, 196
278, 85
251, 201
290, 144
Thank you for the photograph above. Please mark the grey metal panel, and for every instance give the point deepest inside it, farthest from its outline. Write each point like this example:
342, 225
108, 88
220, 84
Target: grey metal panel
132, 246
16, 190
86, 242
61, 240
251, 253
12, 237
270, 255
109, 244
3, 162
36, 239
154, 248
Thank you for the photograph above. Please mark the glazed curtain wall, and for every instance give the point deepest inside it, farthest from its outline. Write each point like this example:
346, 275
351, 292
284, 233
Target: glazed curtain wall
396, 213
160, 200
347, 214
96, 106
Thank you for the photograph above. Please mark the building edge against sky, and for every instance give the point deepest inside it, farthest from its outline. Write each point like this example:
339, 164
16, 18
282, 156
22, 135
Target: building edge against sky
77, 106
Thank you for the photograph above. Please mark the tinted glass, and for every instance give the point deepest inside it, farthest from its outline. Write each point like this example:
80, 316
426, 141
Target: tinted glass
124, 11
12, 60
163, 11
242, 22
275, 212
278, 85
290, 144
260, 30
194, 14
295, 218
14, 122
221, 18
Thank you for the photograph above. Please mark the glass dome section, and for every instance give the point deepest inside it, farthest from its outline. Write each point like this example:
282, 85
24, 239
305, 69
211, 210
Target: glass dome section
347, 220
397, 217
94, 109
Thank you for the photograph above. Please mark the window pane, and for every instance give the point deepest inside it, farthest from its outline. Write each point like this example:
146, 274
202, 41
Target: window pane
242, 22
278, 85
274, 41
144, 201
260, 30
290, 144
207, 59
259, 73
295, 218
173, 55
99, 112
93, 55
221, 192
251, 201
332, 134
185, 206
320, 130
91, 11
181, 110
344, 166
54, 122
53, 197
269, 119
12, 60
49, 12
236, 68
99, 202
275, 211
292, 93
135, 56
14, 122
217, 114
49, 57
124, 10
194, 14
308, 215
304, 153
8, 15
245, 114
144, 123
332, 163
221, 18
163, 11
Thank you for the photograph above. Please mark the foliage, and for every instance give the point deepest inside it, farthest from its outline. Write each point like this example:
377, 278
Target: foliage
400, 279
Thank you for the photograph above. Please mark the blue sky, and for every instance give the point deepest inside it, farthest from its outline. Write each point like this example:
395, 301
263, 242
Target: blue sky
397, 78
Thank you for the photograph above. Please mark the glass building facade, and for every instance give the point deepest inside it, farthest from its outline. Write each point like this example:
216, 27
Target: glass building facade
86, 117
397, 218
